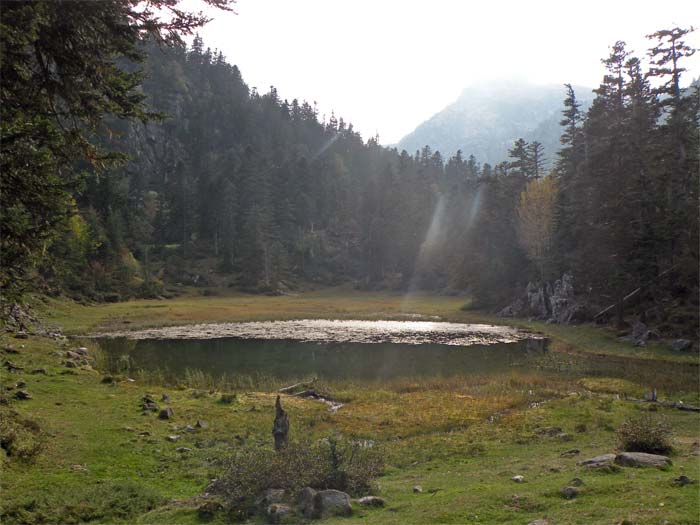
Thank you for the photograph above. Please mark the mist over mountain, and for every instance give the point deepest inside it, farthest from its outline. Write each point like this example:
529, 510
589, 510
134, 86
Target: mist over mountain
486, 119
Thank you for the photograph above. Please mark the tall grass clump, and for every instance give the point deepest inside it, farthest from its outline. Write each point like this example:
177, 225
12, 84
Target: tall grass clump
332, 463
645, 433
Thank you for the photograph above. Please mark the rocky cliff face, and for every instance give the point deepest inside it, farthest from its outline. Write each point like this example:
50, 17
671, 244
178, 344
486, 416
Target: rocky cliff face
551, 302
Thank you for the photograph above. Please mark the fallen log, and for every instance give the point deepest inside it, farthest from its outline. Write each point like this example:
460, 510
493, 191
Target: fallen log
292, 388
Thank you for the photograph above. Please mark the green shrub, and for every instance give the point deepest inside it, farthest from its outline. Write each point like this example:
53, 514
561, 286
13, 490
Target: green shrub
20, 438
645, 433
328, 464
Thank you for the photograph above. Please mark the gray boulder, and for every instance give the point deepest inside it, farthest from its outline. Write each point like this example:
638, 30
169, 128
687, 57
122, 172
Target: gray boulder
681, 345
332, 503
305, 502
642, 459
270, 497
604, 460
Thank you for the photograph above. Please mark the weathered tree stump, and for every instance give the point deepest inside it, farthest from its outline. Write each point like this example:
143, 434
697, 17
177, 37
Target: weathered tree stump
280, 428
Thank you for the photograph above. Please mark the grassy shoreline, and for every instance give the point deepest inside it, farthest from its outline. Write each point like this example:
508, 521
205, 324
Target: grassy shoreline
102, 461
333, 303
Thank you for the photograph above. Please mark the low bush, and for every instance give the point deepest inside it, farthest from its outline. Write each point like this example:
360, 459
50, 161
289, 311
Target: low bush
106, 503
332, 463
645, 433
20, 438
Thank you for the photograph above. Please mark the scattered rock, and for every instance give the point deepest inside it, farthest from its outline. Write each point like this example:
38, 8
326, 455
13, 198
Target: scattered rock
165, 398
277, 512
570, 453
518, 478
569, 492
305, 501
605, 460
270, 497
681, 481
371, 501
189, 428
201, 424
207, 510
39, 371
332, 503
108, 380
72, 355
681, 345
576, 482
417, 489
12, 368
81, 351
22, 395
21, 335
20, 384
10, 350
639, 330
173, 438
642, 459
548, 431
78, 468
71, 364
183, 450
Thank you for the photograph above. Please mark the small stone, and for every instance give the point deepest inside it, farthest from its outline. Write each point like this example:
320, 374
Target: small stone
417, 489
165, 398
183, 450
166, 413
518, 478
206, 511
39, 371
570, 453
277, 512
21, 335
72, 355
22, 395
71, 364
20, 384
81, 351
569, 492
371, 501
576, 482
201, 424
681, 481
189, 428
305, 501
172, 438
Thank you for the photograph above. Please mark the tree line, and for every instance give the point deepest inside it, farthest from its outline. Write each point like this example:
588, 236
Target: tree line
199, 179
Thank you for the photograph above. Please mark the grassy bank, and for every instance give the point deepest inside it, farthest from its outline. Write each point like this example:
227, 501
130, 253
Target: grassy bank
90, 454
335, 303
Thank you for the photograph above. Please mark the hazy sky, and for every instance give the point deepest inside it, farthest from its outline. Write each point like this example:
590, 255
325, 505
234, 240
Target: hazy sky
387, 65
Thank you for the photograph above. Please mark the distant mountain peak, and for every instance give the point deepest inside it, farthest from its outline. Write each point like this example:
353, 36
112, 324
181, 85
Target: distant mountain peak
488, 117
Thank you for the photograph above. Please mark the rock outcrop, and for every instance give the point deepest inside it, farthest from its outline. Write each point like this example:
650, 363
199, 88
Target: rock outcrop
551, 302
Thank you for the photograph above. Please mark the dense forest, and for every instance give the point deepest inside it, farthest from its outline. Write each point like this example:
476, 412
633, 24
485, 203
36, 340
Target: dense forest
216, 184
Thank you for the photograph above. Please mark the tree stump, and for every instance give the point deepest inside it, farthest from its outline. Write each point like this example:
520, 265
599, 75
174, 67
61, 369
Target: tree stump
280, 428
